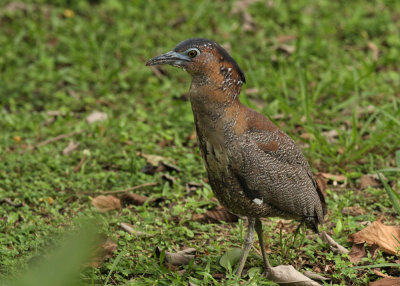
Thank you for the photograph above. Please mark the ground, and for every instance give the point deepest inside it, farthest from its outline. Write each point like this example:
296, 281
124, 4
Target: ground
327, 72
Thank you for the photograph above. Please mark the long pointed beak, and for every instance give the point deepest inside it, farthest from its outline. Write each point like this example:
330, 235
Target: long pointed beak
171, 58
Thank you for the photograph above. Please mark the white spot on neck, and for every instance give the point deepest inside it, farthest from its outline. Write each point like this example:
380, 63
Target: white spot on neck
258, 201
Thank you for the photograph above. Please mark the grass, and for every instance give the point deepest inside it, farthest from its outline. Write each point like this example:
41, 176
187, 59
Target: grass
80, 56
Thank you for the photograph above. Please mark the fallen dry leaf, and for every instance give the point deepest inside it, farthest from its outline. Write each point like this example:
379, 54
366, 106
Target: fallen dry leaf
216, 215
377, 272
288, 49
369, 181
134, 199
375, 51
157, 164
357, 252
96, 116
287, 275
335, 179
241, 7
71, 147
339, 178
285, 38
248, 22
153, 159
386, 237
104, 251
191, 187
353, 211
333, 245
106, 203
387, 281
182, 257
169, 179
331, 135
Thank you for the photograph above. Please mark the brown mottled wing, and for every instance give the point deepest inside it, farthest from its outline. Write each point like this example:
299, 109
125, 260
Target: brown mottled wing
285, 157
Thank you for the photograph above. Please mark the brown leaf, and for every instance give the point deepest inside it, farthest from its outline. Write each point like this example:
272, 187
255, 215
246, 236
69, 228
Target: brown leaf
248, 22
373, 249
386, 237
191, 187
357, 252
104, 251
285, 38
353, 211
182, 257
134, 199
96, 116
377, 272
335, 179
13, 7
387, 281
287, 275
218, 276
153, 159
369, 180
288, 49
216, 215
169, 179
71, 147
162, 166
330, 136
375, 51
241, 7
106, 203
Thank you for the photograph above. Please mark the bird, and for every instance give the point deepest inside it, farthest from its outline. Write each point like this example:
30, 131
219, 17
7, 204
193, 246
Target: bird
254, 168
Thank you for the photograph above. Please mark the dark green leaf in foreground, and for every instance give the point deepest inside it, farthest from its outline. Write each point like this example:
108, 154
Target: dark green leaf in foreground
230, 258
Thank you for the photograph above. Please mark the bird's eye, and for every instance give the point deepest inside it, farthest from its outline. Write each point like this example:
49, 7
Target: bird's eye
192, 53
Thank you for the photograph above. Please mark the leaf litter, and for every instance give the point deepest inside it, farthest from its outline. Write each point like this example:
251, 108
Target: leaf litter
182, 257
102, 252
106, 203
386, 237
96, 116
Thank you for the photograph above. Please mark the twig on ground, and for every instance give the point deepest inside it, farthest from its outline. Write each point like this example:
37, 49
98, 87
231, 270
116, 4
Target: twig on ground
58, 138
80, 164
151, 184
10, 202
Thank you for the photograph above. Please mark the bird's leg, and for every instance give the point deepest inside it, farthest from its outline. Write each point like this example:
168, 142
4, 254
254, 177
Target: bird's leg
248, 242
259, 231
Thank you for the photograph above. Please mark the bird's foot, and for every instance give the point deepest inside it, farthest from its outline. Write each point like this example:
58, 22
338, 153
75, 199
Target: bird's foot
266, 272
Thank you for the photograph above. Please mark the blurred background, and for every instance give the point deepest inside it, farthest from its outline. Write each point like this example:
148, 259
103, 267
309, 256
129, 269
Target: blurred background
327, 72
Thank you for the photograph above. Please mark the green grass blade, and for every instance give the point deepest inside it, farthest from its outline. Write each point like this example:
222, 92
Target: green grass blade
116, 261
394, 197
397, 156
377, 265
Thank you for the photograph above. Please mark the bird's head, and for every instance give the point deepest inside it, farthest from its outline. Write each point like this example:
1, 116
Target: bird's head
205, 60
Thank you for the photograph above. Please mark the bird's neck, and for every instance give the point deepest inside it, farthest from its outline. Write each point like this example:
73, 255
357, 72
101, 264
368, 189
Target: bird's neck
211, 98
215, 110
